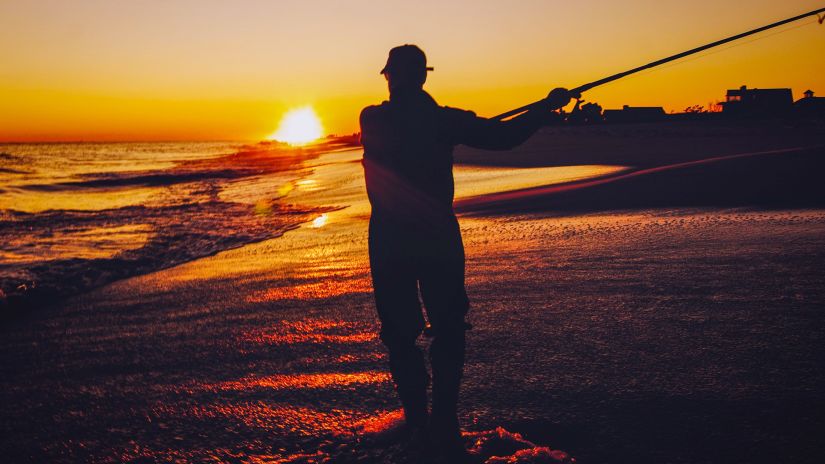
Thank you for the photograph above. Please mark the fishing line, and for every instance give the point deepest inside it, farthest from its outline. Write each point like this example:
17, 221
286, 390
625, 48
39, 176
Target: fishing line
709, 53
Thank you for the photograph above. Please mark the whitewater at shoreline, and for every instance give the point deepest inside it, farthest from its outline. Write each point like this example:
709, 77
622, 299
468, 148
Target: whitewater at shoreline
78, 216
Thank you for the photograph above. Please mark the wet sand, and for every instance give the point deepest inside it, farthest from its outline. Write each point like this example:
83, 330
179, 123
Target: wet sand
644, 334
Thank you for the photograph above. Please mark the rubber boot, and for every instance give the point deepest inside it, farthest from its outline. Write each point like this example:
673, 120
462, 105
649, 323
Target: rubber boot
447, 357
411, 379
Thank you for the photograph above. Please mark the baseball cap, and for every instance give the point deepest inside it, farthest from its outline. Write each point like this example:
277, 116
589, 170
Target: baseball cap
406, 58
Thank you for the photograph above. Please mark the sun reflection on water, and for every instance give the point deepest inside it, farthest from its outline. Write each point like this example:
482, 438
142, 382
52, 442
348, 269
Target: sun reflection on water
309, 185
320, 221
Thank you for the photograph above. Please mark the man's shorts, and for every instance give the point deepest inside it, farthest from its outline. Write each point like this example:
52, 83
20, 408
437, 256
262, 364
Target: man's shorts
408, 261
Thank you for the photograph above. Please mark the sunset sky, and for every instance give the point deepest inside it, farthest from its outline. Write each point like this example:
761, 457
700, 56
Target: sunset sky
221, 70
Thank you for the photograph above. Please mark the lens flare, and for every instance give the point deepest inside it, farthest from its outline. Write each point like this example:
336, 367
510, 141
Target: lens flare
298, 127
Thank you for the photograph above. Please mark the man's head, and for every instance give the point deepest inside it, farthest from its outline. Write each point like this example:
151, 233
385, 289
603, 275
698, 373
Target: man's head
406, 67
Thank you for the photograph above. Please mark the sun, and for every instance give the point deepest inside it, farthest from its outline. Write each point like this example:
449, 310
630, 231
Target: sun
299, 126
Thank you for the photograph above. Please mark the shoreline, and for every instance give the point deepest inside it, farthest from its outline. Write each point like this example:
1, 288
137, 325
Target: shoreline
210, 221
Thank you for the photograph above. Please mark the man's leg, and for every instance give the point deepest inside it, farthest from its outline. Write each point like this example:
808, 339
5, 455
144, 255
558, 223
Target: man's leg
447, 358
396, 298
409, 374
442, 289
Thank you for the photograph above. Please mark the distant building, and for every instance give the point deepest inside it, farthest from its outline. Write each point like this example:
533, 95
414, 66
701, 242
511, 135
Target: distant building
757, 102
635, 114
810, 105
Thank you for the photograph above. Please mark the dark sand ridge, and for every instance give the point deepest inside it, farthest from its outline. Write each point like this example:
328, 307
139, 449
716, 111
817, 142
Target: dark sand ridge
649, 144
776, 178
693, 163
658, 335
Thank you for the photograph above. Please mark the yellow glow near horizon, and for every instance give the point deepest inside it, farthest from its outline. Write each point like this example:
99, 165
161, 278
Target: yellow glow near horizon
299, 127
194, 70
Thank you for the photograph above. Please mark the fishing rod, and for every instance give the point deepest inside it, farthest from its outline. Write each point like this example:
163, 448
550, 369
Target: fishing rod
586, 87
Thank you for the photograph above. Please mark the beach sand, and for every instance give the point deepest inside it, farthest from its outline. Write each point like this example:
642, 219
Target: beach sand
617, 331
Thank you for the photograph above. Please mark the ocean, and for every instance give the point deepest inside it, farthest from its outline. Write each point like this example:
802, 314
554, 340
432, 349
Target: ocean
74, 216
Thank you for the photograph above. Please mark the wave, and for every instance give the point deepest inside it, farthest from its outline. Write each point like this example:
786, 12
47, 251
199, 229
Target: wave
173, 235
58, 252
139, 180
9, 157
13, 171
251, 160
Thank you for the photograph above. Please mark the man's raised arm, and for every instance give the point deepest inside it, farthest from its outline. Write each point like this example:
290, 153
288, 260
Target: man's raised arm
491, 134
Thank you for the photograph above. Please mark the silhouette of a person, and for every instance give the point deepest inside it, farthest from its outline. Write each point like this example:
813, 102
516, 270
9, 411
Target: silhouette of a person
414, 240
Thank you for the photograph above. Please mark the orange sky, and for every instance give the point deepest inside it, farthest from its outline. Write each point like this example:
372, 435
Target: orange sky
220, 70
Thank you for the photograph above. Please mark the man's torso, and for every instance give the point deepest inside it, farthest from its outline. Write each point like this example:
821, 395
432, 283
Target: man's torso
408, 145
